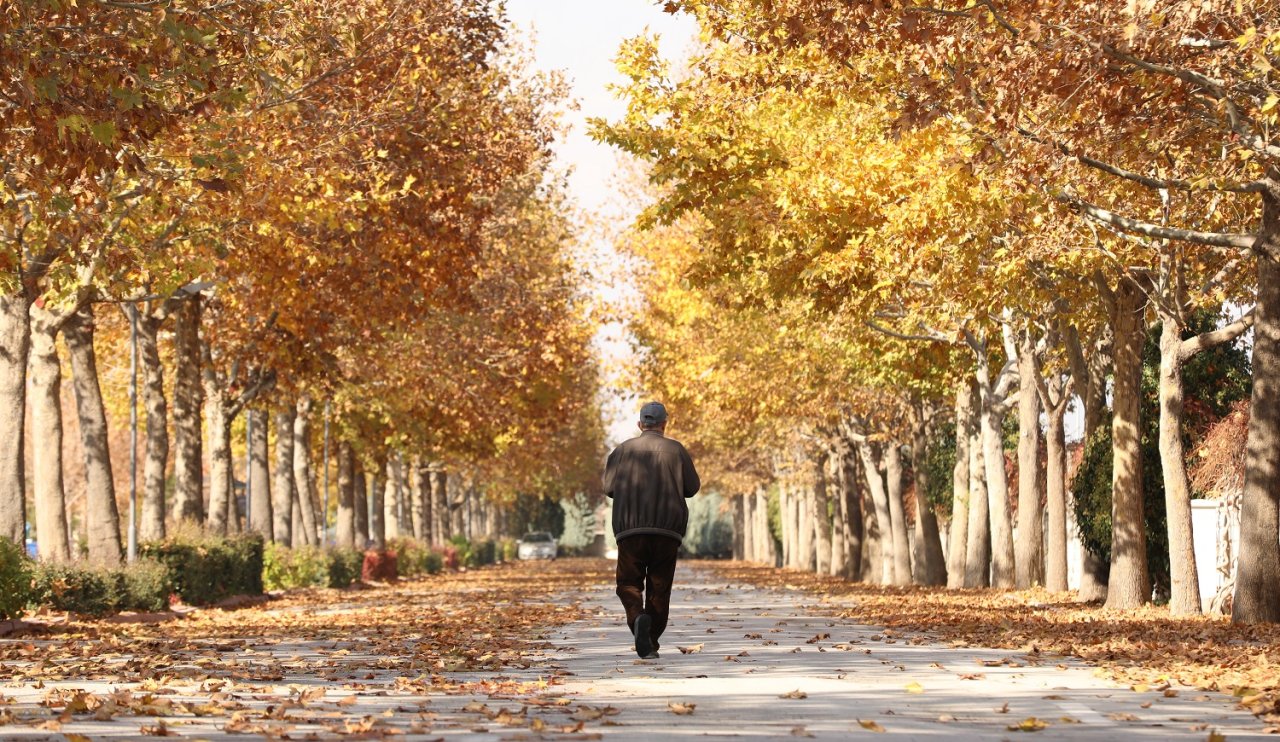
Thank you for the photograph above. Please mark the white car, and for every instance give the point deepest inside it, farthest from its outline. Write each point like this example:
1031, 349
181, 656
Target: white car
536, 545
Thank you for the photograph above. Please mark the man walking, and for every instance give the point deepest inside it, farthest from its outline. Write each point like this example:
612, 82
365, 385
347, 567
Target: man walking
649, 477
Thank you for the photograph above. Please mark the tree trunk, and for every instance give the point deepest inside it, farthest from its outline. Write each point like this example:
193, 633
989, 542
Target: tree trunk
188, 398
1257, 597
346, 525
822, 515
101, 516
377, 526
302, 479
839, 547
931, 566
218, 518
404, 503
151, 524
977, 561
738, 508
360, 506
261, 506
884, 541
1129, 584
1002, 558
46, 432
15, 342
784, 525
852, 524
1055, 567
1184, 590
897, 514
1090, 374
439, 507
282, 522
958, 536
871, 558
391, 507
763, 540
1029, 561
420, 486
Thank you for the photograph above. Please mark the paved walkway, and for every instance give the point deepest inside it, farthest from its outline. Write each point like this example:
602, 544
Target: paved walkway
760, 663
770, 664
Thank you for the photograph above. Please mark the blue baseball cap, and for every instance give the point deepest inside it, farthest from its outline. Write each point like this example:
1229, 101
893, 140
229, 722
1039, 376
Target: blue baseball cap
653, 413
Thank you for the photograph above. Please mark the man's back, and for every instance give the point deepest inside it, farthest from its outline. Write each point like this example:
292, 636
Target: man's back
649, 477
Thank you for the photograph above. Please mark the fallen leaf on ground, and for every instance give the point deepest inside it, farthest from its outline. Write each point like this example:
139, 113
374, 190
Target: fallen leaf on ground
797, 693
690, 650
870, 725
681, 709
1029, 724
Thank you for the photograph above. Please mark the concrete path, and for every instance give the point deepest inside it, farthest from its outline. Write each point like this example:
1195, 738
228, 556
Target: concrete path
770, 664
761, 664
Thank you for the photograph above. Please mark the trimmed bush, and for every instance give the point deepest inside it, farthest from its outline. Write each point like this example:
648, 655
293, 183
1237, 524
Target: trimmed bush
345, 566
379, 566
207, 569
416, 558
284, 568
509, 549
147, 586
143, 586
482, 553
15, 579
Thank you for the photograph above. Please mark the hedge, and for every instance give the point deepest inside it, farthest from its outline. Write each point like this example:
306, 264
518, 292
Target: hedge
15, 579
207, 569
142, 586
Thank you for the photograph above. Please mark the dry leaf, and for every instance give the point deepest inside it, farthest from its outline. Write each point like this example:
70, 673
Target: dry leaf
681, 709
1029, 724
914, 687
690, 650
795, 694
870, 725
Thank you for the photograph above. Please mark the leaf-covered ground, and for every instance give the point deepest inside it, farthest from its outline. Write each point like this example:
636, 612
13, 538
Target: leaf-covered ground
1146, 648
363, 662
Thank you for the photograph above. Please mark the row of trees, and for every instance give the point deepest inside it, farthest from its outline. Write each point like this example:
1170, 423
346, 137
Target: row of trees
880, 227
302, 210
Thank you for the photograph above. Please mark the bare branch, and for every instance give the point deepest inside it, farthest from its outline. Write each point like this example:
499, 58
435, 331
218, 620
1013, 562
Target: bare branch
1204, 341
1136, 226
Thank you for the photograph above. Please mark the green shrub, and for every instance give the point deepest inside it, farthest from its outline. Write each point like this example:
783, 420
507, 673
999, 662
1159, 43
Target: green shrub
461, 551
207, 569
416, 558
143, 586
284, 568
510, 549
1091, 494
147, 585
69, 587
481, 553
344, 567
15, 579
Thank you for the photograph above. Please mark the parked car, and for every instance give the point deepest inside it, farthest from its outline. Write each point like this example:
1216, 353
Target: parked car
537, 545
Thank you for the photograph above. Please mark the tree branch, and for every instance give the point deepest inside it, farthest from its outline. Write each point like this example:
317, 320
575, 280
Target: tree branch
1148, 229
1204, 341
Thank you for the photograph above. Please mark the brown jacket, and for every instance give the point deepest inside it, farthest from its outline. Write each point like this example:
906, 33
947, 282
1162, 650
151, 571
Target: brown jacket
649, 477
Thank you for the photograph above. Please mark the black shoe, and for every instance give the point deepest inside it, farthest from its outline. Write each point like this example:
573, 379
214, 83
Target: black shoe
650, 656
644, 643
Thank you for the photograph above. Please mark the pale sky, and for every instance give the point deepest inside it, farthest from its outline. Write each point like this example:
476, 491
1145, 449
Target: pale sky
580, 38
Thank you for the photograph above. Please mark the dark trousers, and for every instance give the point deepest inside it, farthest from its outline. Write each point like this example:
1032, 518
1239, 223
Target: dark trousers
646, 568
